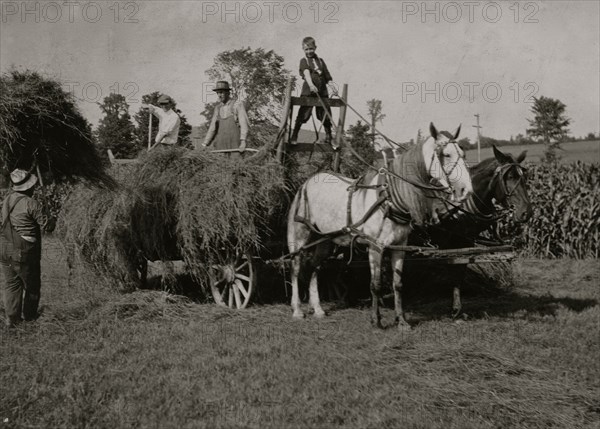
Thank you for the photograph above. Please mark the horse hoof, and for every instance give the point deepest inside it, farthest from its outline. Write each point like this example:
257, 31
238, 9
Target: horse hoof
377, 324
319, 314
298, 315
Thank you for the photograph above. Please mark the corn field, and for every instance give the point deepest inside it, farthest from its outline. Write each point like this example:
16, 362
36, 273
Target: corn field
566, 219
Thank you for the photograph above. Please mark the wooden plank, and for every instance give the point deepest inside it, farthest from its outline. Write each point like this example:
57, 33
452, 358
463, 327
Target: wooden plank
463, 260
114, 160
287, 109
469, 251
339, 133
314, 101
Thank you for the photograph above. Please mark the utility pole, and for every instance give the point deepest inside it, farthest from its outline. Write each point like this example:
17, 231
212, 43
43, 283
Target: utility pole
478, 138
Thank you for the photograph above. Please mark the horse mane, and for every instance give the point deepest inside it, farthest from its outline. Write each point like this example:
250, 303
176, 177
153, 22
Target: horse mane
412, 158
484, 168
405, 197
487, 166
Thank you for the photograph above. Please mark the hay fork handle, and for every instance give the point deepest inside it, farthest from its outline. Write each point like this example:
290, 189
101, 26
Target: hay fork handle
150, 130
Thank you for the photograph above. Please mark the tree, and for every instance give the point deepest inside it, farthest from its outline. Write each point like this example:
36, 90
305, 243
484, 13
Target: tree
359, 137
464, 143
420, 138
375, 108
591, 136
257, 77
549, 124
116, 131
142, 118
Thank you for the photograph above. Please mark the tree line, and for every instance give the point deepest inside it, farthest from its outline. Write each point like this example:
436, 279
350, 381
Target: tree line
258, 78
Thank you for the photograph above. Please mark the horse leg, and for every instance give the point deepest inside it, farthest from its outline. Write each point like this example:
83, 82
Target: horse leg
143, 272
322, 251
397, 265
456, 302
375, 265
314, 295
296, 263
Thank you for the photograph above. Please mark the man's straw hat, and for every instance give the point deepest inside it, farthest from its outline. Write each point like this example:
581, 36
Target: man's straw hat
22, 180
222, 85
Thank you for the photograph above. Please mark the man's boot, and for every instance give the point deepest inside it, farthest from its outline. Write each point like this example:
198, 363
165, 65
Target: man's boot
328, 138
294, 138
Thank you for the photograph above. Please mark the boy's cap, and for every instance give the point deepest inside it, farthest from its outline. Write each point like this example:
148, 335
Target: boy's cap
164, 99
222, 85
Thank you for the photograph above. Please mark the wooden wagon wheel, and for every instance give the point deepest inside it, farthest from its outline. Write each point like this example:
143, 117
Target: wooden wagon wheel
232, 284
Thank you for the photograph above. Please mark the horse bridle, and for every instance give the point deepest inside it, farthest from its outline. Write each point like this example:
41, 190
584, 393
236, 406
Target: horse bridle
500, 175
439, 152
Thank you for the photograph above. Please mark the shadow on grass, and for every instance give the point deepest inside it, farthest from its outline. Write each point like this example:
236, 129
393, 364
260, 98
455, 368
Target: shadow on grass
486, 291
491, 291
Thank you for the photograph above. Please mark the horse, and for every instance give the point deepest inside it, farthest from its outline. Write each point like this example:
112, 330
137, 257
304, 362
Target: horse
377, 209
501, 179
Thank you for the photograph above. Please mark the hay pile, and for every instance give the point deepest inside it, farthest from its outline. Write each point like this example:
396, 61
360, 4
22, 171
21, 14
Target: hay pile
175, 204
41, 125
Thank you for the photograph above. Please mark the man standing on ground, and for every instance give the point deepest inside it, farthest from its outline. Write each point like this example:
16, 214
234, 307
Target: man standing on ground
22, 219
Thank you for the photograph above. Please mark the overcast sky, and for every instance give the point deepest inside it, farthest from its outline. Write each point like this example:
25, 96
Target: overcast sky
434, 61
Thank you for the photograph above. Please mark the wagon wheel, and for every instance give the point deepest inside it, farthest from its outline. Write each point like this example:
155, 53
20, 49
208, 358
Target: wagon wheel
233, 283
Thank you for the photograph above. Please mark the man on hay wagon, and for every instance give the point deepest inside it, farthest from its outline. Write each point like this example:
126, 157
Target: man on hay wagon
168, 122
229, 124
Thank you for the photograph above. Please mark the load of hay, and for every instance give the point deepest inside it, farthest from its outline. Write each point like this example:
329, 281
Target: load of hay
41, 129
196, 206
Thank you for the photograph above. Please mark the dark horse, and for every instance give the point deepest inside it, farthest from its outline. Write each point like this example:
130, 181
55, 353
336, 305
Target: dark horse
498, 180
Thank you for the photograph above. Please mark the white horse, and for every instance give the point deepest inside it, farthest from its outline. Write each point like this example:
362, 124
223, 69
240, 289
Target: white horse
378, 209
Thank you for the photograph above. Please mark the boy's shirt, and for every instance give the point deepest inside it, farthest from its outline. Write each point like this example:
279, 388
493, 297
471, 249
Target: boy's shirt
319, 74
168, 125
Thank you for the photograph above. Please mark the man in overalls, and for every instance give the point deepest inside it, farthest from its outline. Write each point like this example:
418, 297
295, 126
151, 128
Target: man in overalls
24, 217
229, 125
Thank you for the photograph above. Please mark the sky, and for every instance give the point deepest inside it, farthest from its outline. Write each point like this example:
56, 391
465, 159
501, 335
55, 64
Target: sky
434, 61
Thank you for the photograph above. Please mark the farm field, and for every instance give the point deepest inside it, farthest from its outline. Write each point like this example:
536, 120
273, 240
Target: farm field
585, 151
525, 357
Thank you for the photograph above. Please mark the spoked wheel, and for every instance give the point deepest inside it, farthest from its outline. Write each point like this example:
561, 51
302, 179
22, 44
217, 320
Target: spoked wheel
233, 284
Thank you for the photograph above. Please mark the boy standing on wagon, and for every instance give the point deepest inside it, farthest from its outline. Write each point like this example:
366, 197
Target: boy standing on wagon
168, 121
316, 76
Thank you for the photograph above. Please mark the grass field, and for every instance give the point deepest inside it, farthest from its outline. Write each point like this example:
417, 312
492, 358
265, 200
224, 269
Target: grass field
525, 357
585, 151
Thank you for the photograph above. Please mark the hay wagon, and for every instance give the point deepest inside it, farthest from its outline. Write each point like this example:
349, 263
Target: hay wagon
234, 279
234, 284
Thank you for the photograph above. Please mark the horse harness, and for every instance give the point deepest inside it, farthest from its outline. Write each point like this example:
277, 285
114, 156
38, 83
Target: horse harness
384, 202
